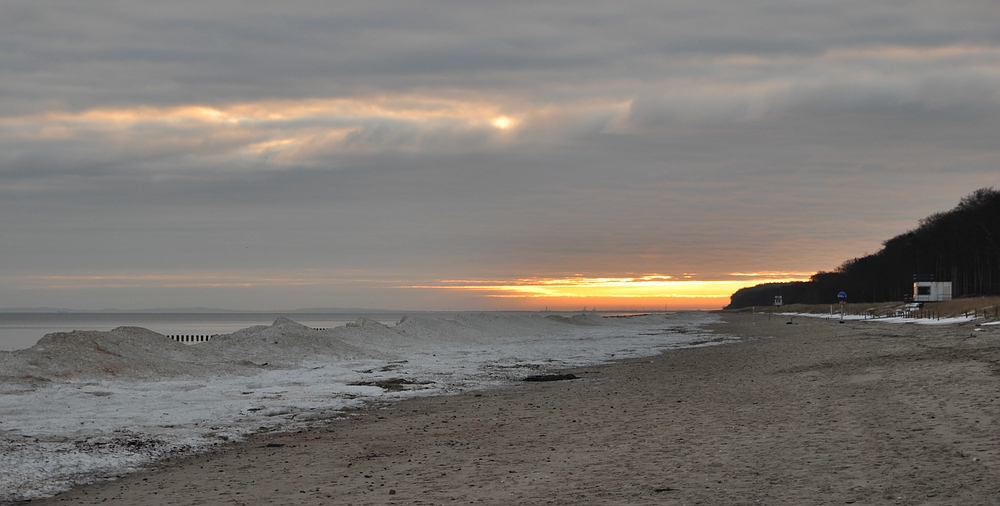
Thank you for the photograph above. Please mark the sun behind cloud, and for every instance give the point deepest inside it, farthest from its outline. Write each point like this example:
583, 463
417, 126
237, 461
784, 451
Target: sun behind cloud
503, 122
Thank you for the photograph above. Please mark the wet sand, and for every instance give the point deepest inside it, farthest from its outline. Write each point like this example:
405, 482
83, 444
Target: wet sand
813, 412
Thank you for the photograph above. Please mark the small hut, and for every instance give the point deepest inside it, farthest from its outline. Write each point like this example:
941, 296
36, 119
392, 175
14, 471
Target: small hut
925, 289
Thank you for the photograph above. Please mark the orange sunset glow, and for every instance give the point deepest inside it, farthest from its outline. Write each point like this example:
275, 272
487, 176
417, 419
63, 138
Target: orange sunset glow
653, 291
268, 115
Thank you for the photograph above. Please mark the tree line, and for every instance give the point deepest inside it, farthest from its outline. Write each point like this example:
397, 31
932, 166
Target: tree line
961, 246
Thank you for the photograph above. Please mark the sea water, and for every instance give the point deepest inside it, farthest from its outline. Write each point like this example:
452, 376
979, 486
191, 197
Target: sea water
96, 404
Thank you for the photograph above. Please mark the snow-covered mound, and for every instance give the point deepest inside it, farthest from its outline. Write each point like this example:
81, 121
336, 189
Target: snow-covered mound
125, 352
285, 343
135, 353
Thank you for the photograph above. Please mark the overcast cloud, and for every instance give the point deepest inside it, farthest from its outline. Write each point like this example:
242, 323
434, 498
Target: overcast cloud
304, 154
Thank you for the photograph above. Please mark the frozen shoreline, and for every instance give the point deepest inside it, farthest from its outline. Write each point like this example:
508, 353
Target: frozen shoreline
94, 405
810, 413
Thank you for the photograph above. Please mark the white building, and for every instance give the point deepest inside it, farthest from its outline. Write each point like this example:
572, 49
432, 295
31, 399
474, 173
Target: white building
931, 291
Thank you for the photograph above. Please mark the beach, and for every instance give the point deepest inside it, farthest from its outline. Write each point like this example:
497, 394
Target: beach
808, 412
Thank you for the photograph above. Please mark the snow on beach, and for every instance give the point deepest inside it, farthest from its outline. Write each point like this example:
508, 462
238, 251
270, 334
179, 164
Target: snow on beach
888, 319
86, 405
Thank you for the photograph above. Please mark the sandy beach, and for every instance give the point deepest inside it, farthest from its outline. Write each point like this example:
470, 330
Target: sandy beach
813, 412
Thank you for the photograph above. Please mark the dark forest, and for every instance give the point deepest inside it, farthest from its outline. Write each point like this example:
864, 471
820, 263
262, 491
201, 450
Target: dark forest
961, 246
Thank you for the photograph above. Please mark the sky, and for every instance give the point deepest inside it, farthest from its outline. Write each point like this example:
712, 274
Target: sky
476, 155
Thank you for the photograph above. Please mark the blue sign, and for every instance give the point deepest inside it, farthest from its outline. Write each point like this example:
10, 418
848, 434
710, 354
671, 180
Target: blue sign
842, 296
